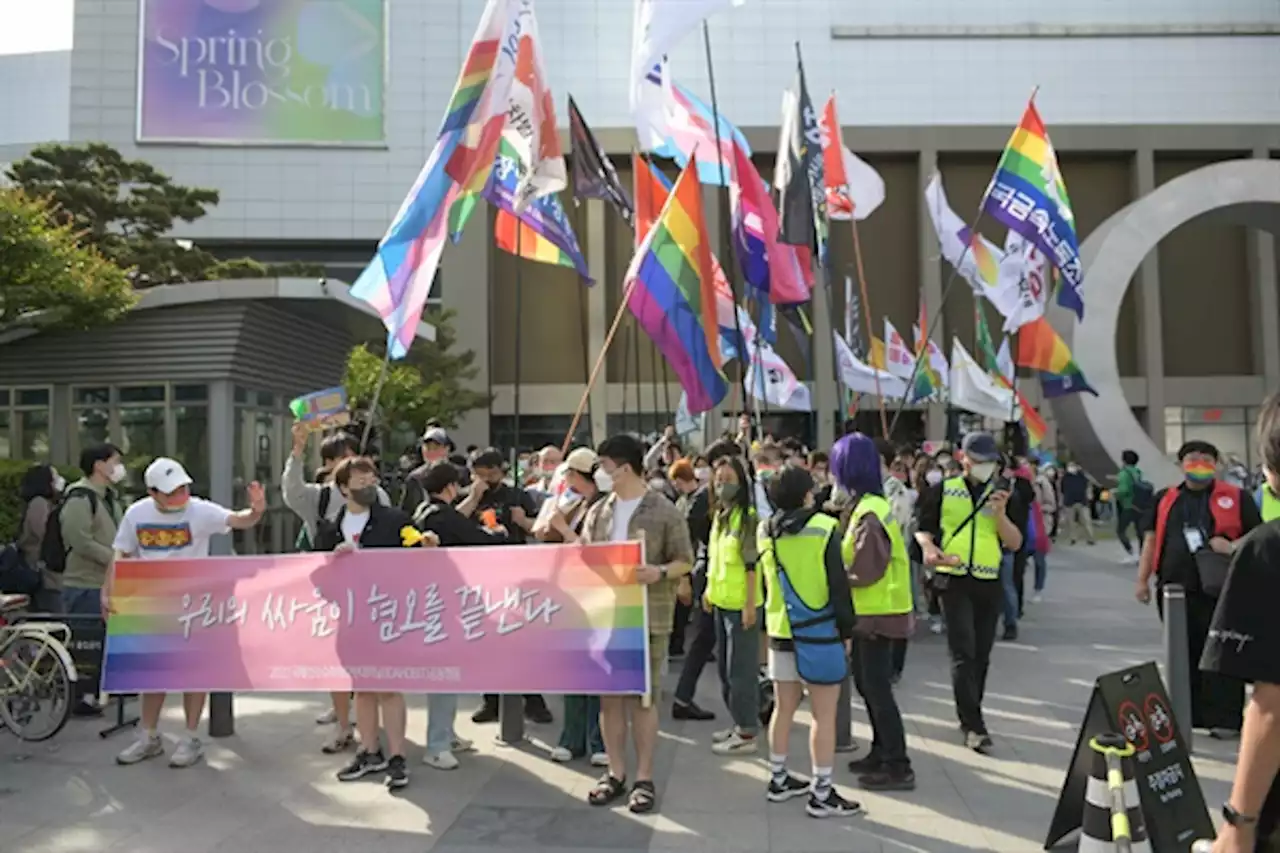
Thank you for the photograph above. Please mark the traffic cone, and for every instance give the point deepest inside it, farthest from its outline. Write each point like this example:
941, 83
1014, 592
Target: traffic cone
1112, 811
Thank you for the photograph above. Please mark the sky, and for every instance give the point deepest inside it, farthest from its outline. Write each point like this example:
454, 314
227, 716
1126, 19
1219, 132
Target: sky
35, 26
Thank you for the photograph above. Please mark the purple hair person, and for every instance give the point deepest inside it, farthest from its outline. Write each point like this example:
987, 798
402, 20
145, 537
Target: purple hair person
855, 463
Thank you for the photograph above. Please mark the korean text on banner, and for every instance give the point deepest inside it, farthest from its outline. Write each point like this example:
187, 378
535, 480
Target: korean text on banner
287, 72
553, 619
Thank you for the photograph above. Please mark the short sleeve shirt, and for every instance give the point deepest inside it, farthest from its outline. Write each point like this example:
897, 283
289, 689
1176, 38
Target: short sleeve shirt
149, 533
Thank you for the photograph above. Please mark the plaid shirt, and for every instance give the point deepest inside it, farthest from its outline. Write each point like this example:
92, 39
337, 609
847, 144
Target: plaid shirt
660, 525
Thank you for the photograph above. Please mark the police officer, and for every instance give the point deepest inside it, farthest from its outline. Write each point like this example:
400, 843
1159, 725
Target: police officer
962, 526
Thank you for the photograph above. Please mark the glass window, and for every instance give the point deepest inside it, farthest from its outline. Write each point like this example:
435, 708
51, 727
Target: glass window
93, 427
142, 394
33, 434
6, 450
141, 436
91, 397
241, 395
33, 397
191, 443
265, 399
4, 398
190, 393
1232, 415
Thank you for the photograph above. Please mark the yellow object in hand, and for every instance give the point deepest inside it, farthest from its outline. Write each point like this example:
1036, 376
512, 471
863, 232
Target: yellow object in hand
411, 536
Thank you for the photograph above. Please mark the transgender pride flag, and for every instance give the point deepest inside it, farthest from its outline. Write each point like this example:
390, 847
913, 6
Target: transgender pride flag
685, 123
398, 279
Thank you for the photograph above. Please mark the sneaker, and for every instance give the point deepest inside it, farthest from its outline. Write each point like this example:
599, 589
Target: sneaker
851, 746
485, 714
722, 735
189, 751
398, 773
327, 718
737, 744
599, 759
538, 712
938, 626
978, 743
786, 788
690, 711
1129, 560
144, 747
440, 760
461, 744
887, 779
362, 765
868, 764
831, 805
1037, 598
340, 742
560, 755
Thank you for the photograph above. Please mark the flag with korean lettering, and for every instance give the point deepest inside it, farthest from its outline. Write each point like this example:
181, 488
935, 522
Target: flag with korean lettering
1028, 195
899, 359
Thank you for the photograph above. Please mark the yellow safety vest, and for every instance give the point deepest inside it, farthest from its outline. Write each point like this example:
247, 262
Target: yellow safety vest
977, 544
726, 569
803, 555
891, 595
1270, 504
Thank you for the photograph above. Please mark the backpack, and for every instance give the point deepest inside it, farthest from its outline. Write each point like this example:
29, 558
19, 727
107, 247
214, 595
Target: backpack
303, 542
1144, 494
53, 552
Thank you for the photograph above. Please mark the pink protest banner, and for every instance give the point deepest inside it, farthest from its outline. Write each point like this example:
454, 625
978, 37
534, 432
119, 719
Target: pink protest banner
531, 619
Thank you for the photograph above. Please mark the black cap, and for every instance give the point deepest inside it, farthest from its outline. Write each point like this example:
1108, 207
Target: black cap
980, 447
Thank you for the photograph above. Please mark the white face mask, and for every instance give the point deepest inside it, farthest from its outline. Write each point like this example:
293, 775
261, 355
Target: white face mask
703, 474
981, 472
59, 482
1073, 469
657, 485
933, 478
117, 473
604, 482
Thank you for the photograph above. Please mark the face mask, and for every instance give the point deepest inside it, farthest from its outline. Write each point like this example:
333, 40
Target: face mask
172, 504
981, 472
59, 482
604, 481
703, 474
1198, 471
933, 478
117, 473
1073, 469
726, 492
366, 496
657, 485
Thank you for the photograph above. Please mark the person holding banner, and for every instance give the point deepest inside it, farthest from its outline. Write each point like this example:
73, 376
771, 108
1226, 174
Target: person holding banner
363, 522
635, 512
170, 524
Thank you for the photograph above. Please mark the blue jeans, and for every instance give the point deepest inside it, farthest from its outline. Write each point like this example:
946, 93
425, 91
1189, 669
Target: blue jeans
581, 732
738, 663
442, 708
1008, 584
1041, 570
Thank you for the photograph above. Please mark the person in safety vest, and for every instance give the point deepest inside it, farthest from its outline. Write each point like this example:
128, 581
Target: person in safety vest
875, 557
1268, 502
1191, 527
962, 526
732, 595
808, 615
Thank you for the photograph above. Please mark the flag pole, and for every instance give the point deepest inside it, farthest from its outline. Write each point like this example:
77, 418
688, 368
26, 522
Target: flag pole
951, 279
724, 227
866, 311
515, 440
598, 368
373, 402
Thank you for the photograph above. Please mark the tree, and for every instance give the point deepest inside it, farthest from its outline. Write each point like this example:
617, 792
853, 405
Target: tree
427, 384
47, 278
127, 209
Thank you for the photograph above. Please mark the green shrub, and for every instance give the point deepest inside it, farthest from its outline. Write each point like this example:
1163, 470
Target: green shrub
11, 473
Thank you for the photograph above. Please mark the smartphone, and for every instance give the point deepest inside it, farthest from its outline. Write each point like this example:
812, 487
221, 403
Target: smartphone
1002, 484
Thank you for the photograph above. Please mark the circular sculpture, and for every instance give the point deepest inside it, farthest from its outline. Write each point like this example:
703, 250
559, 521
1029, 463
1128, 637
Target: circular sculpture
1098, 429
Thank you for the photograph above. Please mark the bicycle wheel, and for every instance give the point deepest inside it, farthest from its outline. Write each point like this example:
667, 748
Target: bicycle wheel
36, 702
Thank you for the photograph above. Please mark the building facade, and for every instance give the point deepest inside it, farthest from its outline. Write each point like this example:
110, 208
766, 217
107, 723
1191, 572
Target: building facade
1134, 94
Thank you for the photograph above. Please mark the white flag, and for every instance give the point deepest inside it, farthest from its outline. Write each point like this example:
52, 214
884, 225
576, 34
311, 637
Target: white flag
973, 390
898, 357
659, 26
531, 122
768, 376
861, 378
1004, 360
1024, 269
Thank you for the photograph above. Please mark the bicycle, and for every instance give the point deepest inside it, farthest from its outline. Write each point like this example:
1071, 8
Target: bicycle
36, 671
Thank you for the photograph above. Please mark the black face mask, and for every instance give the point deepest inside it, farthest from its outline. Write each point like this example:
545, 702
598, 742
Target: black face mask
366, 496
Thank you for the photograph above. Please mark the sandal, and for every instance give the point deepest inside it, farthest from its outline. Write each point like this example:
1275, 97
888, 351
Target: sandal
643, 798
607, 790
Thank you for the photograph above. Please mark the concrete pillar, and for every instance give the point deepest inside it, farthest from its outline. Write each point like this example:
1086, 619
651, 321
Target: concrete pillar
1264, 301
466, 289
222, 453
931, 286
1150, 342
598, 319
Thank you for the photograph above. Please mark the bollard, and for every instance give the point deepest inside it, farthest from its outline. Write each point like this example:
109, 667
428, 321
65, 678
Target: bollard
1112, 820
1177, 662
222, 717
844, 717
510, 720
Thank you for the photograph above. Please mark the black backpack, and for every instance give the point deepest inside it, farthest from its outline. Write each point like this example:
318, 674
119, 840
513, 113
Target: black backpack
1144, 494
53, 553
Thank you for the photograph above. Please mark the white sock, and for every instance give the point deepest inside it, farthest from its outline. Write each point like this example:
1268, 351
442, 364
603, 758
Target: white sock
151, 734
778, 767
821, 780
193, 734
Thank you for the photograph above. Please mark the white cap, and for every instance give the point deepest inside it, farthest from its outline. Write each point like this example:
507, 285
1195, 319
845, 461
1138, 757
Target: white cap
583, 460
166, 476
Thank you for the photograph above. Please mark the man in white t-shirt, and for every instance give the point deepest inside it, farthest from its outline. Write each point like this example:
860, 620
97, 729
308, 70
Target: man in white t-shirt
170, 525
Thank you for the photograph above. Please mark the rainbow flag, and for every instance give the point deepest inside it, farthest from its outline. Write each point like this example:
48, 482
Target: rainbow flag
1035, 425
541, 231
673, 294
1041, 348
1027, 194
559, 619
398, 280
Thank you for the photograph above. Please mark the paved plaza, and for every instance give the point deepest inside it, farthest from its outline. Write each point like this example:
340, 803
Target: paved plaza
269, 789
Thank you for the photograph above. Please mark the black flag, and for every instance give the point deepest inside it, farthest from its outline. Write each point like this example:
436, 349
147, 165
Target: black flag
593, 172
800, 176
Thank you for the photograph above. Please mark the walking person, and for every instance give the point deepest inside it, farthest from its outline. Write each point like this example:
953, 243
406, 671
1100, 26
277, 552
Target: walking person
1075, 504
810, 622
1192, 527
962, 528
1134, 496
733, 593
875, 556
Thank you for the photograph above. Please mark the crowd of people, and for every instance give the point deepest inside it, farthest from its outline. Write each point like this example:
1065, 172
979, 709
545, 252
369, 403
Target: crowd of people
796, 572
